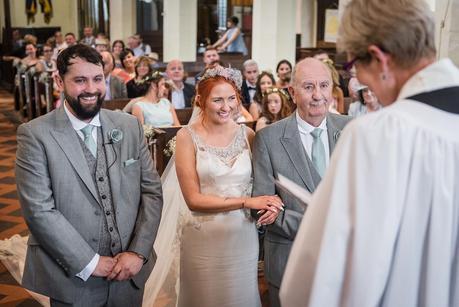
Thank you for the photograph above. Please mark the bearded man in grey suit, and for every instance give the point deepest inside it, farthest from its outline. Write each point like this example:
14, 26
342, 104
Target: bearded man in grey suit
299, 148
89, 194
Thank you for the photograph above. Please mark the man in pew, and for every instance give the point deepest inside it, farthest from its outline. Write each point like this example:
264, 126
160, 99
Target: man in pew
211, 58
182, 92
116, 89
250, 71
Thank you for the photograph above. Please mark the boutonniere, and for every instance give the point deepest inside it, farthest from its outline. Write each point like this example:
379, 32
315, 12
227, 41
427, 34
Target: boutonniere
336, 135
115, 136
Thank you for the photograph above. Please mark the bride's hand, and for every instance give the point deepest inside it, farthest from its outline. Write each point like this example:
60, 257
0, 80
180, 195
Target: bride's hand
267, 202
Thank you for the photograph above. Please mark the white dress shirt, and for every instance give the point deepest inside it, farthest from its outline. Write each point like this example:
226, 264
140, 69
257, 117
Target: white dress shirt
305, 130
108, 92
178, 98
251, 88
78, 124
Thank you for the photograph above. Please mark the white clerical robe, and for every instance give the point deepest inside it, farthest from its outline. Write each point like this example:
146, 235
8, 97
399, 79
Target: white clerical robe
382, 227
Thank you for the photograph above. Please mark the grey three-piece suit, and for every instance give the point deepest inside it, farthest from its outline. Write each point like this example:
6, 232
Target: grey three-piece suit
76, 205
278, 149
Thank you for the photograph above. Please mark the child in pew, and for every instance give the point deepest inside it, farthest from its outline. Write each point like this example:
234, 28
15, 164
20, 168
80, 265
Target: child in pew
275, 107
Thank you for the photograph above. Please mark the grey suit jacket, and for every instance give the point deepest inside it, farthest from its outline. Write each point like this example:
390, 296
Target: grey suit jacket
117, 88
278, 149
60, 202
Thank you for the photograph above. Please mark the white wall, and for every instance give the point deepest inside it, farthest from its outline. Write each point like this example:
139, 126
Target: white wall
65, 15
306, 21
122, 19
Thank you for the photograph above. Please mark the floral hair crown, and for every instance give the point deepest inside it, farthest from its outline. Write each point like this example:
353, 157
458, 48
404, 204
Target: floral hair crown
150, 77
271, 90
230, 74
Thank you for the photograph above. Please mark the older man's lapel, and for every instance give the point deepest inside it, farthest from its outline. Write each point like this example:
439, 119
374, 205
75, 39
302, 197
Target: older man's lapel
294, 147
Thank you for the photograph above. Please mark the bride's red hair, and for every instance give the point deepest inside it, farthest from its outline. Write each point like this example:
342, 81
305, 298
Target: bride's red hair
205, 87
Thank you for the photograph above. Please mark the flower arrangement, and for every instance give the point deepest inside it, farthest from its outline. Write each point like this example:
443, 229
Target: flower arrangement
115, 136
170, 147
149, 132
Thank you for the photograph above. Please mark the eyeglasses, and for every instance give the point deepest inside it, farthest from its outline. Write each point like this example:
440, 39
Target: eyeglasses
348, 66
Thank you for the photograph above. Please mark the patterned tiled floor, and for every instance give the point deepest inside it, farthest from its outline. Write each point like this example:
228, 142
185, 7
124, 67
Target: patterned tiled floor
11, 221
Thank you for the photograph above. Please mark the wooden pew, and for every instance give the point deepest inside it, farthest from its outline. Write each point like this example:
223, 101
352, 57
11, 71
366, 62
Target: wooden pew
115, 104
184, 115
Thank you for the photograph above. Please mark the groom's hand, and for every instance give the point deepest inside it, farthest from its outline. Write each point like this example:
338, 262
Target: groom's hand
128, 264
104, 266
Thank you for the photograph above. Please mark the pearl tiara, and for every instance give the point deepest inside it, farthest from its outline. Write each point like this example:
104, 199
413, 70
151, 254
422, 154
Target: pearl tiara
230, 74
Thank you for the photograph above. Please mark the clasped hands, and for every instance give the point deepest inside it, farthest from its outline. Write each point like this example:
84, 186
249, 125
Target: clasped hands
121, 267
268, 206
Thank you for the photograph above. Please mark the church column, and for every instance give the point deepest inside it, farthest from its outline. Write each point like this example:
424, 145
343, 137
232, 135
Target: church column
306, 22
447, 29
273, 35
122, 19
180, 30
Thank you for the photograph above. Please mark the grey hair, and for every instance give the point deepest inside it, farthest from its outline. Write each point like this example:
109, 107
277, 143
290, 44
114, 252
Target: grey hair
403, 28
248, 63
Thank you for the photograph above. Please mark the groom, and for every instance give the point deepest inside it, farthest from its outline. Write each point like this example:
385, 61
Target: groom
89, 194
299, 148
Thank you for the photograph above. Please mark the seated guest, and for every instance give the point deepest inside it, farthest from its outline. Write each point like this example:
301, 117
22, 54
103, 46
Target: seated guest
70, 39
211, 59
30, 60
264, 81
337, 105
101, 44
60, 44
46, 63
137, 46
115, 87
135, 87
182, 92
275, 107
117, 47
88, 37
367, 103
127, 70
153, 110
284, 72
250, 72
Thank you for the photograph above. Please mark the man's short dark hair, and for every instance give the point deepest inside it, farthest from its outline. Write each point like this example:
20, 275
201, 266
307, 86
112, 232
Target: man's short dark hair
70, 33
77, 51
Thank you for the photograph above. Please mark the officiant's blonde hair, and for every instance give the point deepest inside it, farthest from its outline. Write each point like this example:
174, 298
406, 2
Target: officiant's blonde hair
403, 28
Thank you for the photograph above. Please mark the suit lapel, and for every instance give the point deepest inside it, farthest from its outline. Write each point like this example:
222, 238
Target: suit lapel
333, 133
294, 147
113, 154
67, 139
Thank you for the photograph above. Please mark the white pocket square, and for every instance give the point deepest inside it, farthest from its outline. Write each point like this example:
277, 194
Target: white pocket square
129, 162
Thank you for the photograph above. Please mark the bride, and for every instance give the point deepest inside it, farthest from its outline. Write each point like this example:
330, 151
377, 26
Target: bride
207, 243
216, 243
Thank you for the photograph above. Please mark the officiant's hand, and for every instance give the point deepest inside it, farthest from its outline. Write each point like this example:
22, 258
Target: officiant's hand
104, 267
128, 264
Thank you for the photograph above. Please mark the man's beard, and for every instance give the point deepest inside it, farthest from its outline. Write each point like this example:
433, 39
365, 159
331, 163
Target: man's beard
81, 111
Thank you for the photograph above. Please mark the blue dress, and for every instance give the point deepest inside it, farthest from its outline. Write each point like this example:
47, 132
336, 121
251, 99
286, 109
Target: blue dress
238, 45
157, 114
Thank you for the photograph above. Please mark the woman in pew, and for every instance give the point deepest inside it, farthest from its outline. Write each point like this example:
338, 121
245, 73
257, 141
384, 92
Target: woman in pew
264, 81
135, 86
151, 109
117, 48
275, 107
30, 60
127, 72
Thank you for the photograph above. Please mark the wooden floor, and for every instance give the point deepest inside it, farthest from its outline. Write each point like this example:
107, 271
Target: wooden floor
11, 221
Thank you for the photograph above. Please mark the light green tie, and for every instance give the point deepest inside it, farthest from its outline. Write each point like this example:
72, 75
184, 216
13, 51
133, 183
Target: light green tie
89, 140
318, 151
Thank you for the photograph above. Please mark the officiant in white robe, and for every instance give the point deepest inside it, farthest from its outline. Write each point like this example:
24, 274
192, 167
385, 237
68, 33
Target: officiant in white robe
382, 227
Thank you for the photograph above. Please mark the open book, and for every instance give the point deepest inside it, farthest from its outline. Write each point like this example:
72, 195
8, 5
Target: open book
299, 193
